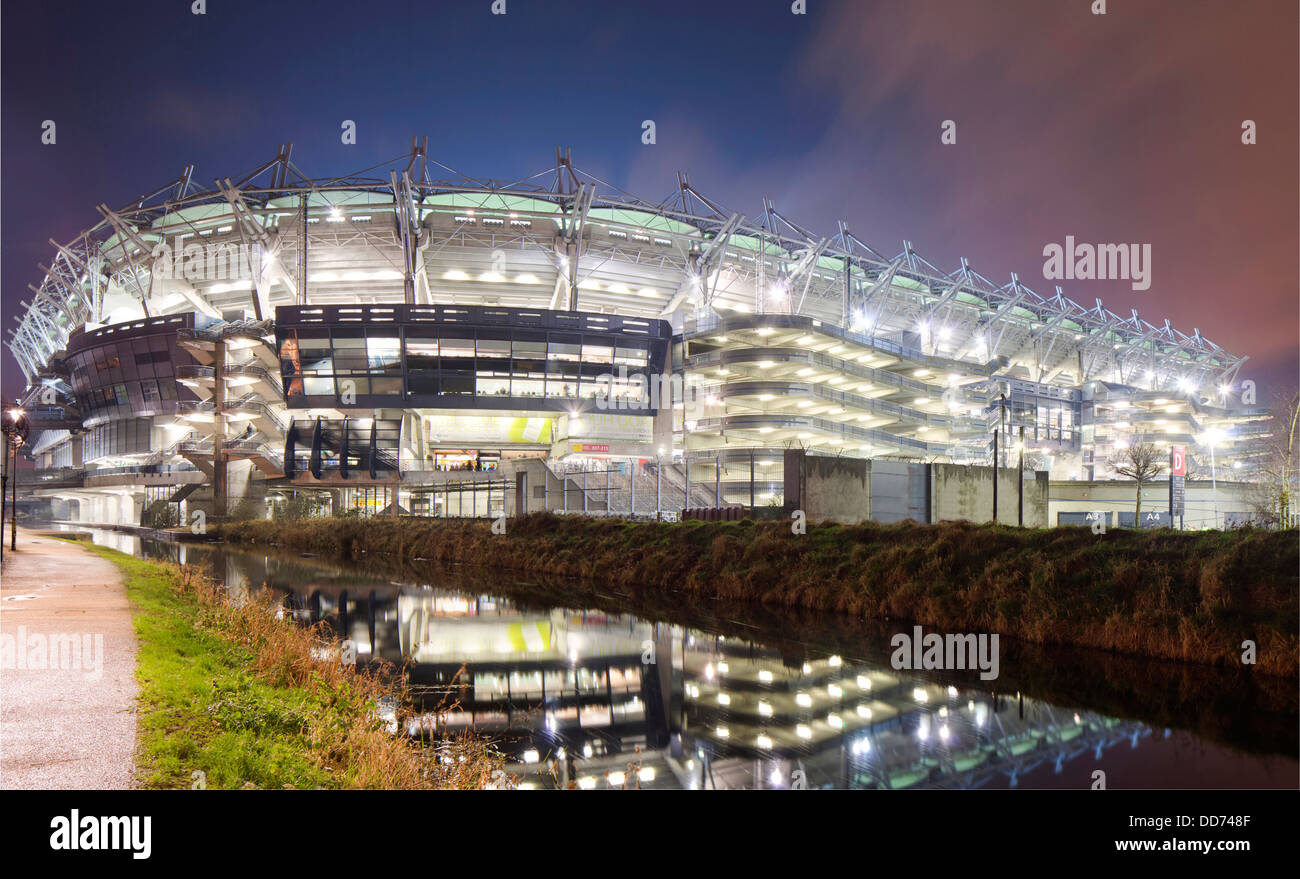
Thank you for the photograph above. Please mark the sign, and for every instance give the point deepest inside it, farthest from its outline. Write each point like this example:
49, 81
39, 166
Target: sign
606, 426
1092, 518
1148, 519
590, 448
1177, 480
467, 430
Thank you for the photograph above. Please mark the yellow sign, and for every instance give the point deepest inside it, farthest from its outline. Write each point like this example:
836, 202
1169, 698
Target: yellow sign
475, 429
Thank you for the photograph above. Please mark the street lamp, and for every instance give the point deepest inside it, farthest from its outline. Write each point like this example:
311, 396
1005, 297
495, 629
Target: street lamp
1210, 437
15, 427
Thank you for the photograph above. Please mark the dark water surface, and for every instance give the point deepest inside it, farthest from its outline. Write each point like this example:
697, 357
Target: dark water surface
748, 697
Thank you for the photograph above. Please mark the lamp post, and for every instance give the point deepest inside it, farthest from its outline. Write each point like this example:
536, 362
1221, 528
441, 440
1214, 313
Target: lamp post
15, 427
1212, 436
1002, 410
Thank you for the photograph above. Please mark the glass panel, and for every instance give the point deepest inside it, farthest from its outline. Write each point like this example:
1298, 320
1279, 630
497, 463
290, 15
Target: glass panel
529, 350
387, 386
457, 347
632, 356
421, 354
560, 386
494, 348
355, 386
564, 351
597, 353
422, 384
384, 354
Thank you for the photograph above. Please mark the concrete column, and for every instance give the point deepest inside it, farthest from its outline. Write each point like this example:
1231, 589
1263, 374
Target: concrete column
219, 499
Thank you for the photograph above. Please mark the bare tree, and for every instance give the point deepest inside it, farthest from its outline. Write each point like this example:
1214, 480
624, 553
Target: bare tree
1140, 462
1280, 464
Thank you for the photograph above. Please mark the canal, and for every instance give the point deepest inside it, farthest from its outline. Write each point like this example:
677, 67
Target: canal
592, 688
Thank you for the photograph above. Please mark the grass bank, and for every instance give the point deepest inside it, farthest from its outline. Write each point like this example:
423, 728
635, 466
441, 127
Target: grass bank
1188, 596
236, 695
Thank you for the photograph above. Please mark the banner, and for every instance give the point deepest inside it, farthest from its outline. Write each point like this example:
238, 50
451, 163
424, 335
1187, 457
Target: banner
1177, 480
600, 426
486, 430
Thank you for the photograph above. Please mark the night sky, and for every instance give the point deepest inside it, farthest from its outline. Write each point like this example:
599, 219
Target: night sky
1120, 128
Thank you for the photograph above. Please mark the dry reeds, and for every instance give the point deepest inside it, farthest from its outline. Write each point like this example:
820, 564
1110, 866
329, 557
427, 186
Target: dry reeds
356, 728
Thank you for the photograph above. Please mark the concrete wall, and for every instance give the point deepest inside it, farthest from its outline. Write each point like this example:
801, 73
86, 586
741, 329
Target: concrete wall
855, 489
826, 487
107, 508
960, 492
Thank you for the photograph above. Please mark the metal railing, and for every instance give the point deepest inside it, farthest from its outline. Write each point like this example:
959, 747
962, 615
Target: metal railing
227, 329
654, 489
142, 470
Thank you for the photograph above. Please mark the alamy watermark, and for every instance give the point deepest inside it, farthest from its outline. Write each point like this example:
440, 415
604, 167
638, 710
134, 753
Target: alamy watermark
649, 392
207, 261
935, 652
1099, 262
54, 652
75, 832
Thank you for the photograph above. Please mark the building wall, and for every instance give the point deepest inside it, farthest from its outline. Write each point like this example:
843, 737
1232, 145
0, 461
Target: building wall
1232, 499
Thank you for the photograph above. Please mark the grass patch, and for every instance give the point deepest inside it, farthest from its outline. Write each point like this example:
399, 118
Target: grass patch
238, 692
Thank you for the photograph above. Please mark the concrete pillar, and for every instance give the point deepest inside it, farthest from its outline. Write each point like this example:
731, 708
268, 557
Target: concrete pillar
219, 485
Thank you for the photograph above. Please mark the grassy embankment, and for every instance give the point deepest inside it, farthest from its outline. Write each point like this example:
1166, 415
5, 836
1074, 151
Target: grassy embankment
250, 699
1189, 596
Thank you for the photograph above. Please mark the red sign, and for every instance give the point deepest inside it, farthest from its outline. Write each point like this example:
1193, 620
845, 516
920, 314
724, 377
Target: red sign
1178, 461
589, 447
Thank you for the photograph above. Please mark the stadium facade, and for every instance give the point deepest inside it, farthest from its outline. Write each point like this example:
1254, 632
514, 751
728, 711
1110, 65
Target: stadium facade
367, 339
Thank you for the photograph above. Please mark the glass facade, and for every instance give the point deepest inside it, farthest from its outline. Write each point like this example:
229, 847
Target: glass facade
126, 436
127, 375
1047, 419
460, 363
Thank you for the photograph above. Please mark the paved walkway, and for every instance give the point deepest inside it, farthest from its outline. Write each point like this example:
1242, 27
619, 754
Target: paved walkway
67, 704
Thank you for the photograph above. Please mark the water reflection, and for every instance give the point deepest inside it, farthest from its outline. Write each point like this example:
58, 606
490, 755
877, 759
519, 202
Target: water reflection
591, 698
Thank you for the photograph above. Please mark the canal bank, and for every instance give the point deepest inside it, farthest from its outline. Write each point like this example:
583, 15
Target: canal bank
1191, 597
67, 669
234, 694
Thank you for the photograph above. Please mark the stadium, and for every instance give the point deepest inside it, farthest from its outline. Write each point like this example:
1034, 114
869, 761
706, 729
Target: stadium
409, 340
